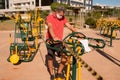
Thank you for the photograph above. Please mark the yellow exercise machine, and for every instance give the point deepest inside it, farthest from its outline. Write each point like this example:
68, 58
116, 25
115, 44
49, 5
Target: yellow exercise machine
28, 31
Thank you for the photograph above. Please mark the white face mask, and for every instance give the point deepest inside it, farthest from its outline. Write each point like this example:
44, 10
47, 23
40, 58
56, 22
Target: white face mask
58, 16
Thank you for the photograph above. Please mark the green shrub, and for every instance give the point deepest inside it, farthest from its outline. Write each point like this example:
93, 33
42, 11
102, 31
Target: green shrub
44, 14
55, 4
70, 19
91, 22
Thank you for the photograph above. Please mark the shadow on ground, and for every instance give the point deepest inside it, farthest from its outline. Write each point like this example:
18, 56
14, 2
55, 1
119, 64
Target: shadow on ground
109, 57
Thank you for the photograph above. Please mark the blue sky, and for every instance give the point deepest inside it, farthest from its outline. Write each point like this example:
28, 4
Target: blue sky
107, 2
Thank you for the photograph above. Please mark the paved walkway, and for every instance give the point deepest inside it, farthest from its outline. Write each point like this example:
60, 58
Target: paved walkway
106, 61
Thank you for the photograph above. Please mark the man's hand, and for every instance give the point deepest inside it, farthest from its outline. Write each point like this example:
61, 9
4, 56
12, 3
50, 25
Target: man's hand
56, 38
80, 36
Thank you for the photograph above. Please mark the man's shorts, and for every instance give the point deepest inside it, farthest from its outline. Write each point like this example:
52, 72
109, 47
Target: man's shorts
52, 53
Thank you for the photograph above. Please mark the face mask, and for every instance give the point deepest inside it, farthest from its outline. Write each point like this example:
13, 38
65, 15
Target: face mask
58, 16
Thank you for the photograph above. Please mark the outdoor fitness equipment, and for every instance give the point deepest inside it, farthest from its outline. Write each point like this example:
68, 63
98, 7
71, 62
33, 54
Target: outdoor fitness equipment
109, 27
28, 29
114, 31
110, 32
75, 49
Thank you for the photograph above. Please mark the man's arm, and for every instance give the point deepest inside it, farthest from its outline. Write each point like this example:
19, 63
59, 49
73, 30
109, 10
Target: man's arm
69, 26
50, 29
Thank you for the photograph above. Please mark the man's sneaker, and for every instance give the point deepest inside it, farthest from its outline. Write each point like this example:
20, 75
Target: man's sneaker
60, 76
52, 77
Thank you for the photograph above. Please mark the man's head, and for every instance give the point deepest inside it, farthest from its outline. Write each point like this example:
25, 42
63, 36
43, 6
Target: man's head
60, 11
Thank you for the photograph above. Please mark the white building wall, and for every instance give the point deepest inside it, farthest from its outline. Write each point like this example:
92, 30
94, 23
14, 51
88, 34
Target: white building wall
21, 4
80, 3
25, 5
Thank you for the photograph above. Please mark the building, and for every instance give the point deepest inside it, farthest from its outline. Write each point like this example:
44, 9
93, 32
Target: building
87, 4
2, 3
29, 4
24, 5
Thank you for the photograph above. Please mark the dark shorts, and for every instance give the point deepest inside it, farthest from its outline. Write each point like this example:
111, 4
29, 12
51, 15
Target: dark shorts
52, 53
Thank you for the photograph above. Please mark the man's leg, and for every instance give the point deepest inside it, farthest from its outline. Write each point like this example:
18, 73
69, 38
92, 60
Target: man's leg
50, 66
63, 60
50, 63
62, 65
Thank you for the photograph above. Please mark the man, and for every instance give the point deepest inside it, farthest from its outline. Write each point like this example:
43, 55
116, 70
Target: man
56, 22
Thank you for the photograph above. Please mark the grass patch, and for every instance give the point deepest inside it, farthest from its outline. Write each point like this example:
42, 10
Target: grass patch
7, 25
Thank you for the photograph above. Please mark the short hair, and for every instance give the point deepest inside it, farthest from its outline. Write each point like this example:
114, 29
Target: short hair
60, 8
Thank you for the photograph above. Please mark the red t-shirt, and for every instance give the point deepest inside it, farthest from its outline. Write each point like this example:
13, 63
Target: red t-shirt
57, 25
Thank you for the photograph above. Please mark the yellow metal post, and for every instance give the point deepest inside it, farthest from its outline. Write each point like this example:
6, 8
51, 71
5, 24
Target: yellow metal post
36, 42
68, 69
79, 70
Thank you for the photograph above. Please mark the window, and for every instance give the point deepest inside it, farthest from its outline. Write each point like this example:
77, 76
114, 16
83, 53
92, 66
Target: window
2, 4
37, 2
46, 2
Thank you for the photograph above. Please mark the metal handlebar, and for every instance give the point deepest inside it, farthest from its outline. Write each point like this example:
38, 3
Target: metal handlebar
100, 43
74, 44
